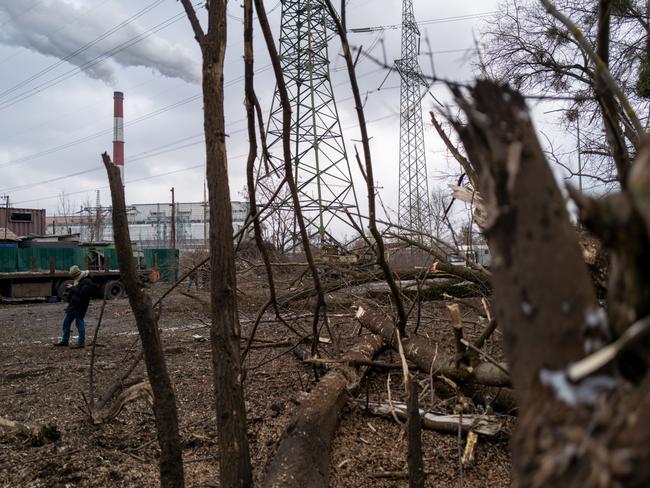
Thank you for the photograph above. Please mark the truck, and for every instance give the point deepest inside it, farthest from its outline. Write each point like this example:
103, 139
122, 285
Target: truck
33, 273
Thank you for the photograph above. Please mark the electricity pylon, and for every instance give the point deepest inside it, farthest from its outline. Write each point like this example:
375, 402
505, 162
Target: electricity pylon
414, 210
320, 161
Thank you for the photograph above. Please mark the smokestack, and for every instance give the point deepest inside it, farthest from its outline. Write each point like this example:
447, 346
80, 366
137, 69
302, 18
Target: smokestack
118, 131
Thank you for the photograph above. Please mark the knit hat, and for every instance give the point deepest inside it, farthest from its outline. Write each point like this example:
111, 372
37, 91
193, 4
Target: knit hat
74, 271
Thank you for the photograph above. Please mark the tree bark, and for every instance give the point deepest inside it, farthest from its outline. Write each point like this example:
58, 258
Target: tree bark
414, 430
234, 455
418, 350
171, 462
587, 433
302, 458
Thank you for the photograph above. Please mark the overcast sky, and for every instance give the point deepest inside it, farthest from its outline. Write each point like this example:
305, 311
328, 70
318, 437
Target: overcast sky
56, 98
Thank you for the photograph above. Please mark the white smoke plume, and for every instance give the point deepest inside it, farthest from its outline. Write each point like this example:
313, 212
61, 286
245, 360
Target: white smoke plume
42, 29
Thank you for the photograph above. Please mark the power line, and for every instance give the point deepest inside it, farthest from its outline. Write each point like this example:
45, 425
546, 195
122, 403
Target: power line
82, 49
202, 165
170, 147
98, 59
165, 148
49, 151
156, 151
167, 108
443, 20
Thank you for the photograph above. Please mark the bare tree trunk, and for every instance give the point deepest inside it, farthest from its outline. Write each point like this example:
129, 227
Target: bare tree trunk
234, 455
171, 461
571, 431
414, 429
252, 103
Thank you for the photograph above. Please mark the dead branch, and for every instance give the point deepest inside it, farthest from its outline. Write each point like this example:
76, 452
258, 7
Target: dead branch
483, 424
91, 374
171, 463
357, 363
457, 324
418, 350
251, 102
320, 305
487, 332
414, 434
462, 160
37, 435
130, 394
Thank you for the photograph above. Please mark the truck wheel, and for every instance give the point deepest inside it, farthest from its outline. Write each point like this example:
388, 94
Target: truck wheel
113, 290
62, 289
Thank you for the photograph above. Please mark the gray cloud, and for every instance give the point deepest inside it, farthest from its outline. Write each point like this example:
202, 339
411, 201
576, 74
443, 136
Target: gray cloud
41, 30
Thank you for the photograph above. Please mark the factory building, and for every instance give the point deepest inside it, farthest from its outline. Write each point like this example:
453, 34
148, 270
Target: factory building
150, 224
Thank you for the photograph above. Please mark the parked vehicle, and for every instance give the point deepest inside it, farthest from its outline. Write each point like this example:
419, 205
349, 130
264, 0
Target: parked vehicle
477, 253
43, 272
456, 260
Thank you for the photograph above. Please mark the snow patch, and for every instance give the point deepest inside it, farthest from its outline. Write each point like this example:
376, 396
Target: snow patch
584, 392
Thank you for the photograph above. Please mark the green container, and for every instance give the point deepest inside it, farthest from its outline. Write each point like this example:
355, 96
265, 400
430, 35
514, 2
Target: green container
29, 259
166, 260
111, 254
8, 259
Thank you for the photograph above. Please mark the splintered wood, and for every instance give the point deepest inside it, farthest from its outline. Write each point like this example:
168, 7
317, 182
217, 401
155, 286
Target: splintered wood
482, 424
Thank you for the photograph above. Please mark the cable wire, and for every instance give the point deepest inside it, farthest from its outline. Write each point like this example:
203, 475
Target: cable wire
82, 49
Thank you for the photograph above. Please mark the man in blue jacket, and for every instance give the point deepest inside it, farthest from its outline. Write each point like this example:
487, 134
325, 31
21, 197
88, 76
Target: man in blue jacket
78, 300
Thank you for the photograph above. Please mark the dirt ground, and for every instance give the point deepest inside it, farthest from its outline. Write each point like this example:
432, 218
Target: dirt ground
41, 384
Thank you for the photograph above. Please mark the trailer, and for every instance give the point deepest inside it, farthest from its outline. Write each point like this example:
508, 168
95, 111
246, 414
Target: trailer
38, 284
30, 273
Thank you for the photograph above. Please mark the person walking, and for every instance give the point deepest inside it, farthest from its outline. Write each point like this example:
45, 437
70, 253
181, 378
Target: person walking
78, 300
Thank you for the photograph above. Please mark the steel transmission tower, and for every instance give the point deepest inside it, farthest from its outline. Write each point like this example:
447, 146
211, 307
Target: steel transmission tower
414, 210
320, 161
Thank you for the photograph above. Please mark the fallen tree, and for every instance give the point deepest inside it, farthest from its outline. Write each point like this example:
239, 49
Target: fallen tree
353, 278
485, 383
302, 457
418, 350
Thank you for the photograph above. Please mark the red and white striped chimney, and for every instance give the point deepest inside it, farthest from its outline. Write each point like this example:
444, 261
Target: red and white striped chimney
118, 131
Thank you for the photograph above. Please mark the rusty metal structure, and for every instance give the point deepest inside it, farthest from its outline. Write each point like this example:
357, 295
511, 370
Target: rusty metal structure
23, 221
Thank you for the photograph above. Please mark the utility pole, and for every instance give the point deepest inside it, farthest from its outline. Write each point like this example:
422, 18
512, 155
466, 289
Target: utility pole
320, 162
414, 211
205, 216
173, 222
579, 153
6, 197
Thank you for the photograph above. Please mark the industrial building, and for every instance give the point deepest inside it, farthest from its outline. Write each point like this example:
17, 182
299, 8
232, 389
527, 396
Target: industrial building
150, 224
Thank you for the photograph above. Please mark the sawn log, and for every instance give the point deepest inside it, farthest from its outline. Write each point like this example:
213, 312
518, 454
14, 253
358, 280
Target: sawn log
302, 457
